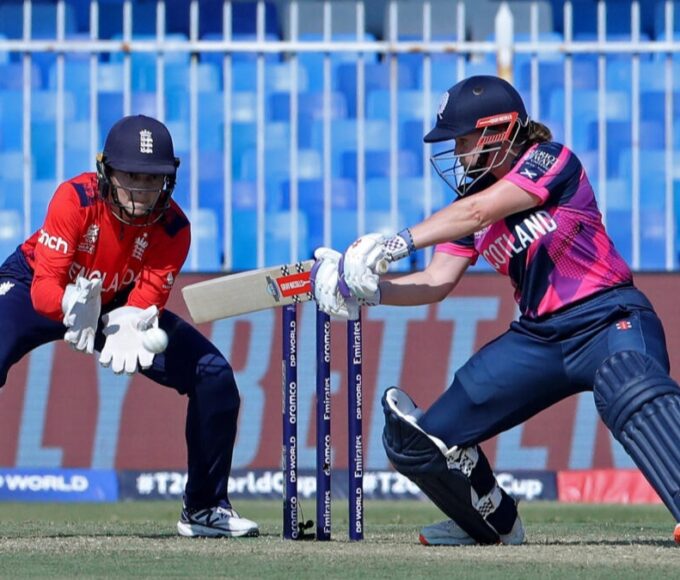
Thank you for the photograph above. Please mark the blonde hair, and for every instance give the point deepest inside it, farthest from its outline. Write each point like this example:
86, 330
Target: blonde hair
536, 132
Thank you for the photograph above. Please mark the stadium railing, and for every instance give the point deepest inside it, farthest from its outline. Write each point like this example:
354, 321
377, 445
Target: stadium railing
261, 96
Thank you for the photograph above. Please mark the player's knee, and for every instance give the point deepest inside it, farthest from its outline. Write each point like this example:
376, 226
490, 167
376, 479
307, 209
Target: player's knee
217, 383
624, 383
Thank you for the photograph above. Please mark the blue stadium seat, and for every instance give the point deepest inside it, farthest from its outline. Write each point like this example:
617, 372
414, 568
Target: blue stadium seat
42, 191
277, 169
277, 238
410, 105
618, 195
411, 195
204, 235
310, 106
378, 164
653, 174
11, 231
12, 76
619, 137
343, 134
377, 76
311, 195
243, 17
620, 230
585, 105
43, 19
617, 23
313, 62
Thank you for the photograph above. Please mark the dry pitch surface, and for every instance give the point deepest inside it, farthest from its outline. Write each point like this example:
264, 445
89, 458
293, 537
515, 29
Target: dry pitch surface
138, 540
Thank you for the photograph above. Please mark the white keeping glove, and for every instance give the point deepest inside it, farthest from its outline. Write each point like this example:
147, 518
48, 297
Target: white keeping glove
81, 305
324, 280
124, 329
368, 257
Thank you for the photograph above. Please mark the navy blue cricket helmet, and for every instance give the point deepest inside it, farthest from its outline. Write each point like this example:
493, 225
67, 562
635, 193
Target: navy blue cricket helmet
138, 144
483, 103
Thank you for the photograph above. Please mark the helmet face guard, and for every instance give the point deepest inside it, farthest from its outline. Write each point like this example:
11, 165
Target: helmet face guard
462, 171
127, 213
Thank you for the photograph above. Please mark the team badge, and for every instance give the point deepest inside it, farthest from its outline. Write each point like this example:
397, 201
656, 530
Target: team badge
141, 244
624, 325
145, 141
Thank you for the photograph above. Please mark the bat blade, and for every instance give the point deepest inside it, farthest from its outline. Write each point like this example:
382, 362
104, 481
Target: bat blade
249, 291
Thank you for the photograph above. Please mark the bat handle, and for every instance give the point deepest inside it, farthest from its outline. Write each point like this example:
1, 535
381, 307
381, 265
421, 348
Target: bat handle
382, 266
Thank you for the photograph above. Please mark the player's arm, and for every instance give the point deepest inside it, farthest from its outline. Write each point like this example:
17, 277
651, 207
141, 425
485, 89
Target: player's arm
358, 269
473, 213
431, 285
54, 251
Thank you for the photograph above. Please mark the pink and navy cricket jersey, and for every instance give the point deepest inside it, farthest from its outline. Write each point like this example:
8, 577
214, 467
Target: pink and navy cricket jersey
558, 252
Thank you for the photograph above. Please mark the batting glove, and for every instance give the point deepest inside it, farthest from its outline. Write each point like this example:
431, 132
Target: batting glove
81, 305
367, 258
324, 279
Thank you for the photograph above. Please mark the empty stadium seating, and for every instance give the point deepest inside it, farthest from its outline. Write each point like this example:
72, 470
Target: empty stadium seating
327, 83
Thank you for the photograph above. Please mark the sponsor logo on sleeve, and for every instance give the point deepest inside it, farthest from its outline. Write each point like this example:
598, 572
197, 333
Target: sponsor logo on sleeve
55, 243
537, 164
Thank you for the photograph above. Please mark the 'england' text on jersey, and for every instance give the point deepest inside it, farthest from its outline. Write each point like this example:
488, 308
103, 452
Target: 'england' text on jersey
527, 231
114, 284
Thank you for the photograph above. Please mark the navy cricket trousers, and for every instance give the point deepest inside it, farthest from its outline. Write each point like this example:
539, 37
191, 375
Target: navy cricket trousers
191, 365
537, 363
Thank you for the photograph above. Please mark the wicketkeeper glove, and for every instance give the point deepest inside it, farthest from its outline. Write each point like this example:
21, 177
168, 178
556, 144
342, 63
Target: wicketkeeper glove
81, 305
124, 347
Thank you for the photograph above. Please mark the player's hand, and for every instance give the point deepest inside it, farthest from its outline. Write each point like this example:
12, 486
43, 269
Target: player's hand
124, 348
81, 305
367, 258
324, 280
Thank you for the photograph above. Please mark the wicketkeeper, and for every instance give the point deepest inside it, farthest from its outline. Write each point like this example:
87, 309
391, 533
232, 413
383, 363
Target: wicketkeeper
98, 274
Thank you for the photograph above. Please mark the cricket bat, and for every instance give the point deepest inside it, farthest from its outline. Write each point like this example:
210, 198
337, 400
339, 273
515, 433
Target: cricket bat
249, 291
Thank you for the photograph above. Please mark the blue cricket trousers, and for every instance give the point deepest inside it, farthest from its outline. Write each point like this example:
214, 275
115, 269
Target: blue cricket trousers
191, 365
539, 362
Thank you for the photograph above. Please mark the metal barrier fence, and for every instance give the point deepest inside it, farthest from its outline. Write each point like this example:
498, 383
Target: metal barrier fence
622, 71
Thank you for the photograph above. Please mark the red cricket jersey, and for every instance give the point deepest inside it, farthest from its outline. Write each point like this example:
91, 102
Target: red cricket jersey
81, 237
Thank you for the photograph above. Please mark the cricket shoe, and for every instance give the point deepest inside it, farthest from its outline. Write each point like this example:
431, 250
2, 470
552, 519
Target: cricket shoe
215, 522
676, 534
449, 533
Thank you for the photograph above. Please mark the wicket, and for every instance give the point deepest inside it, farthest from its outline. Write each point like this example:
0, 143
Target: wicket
292, 528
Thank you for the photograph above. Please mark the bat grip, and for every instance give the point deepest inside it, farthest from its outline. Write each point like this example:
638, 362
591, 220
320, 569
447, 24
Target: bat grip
382, 266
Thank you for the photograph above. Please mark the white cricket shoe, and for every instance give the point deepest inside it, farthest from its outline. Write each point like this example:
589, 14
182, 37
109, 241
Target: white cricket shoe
215, 522
449, 533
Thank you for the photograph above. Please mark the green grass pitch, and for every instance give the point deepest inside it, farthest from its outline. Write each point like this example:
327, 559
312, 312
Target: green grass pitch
139, 539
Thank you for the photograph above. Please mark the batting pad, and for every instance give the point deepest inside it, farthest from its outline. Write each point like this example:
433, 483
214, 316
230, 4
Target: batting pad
640, 404
422, 459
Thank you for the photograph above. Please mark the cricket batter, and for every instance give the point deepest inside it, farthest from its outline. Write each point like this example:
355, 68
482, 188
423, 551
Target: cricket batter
98, 274
525, 204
